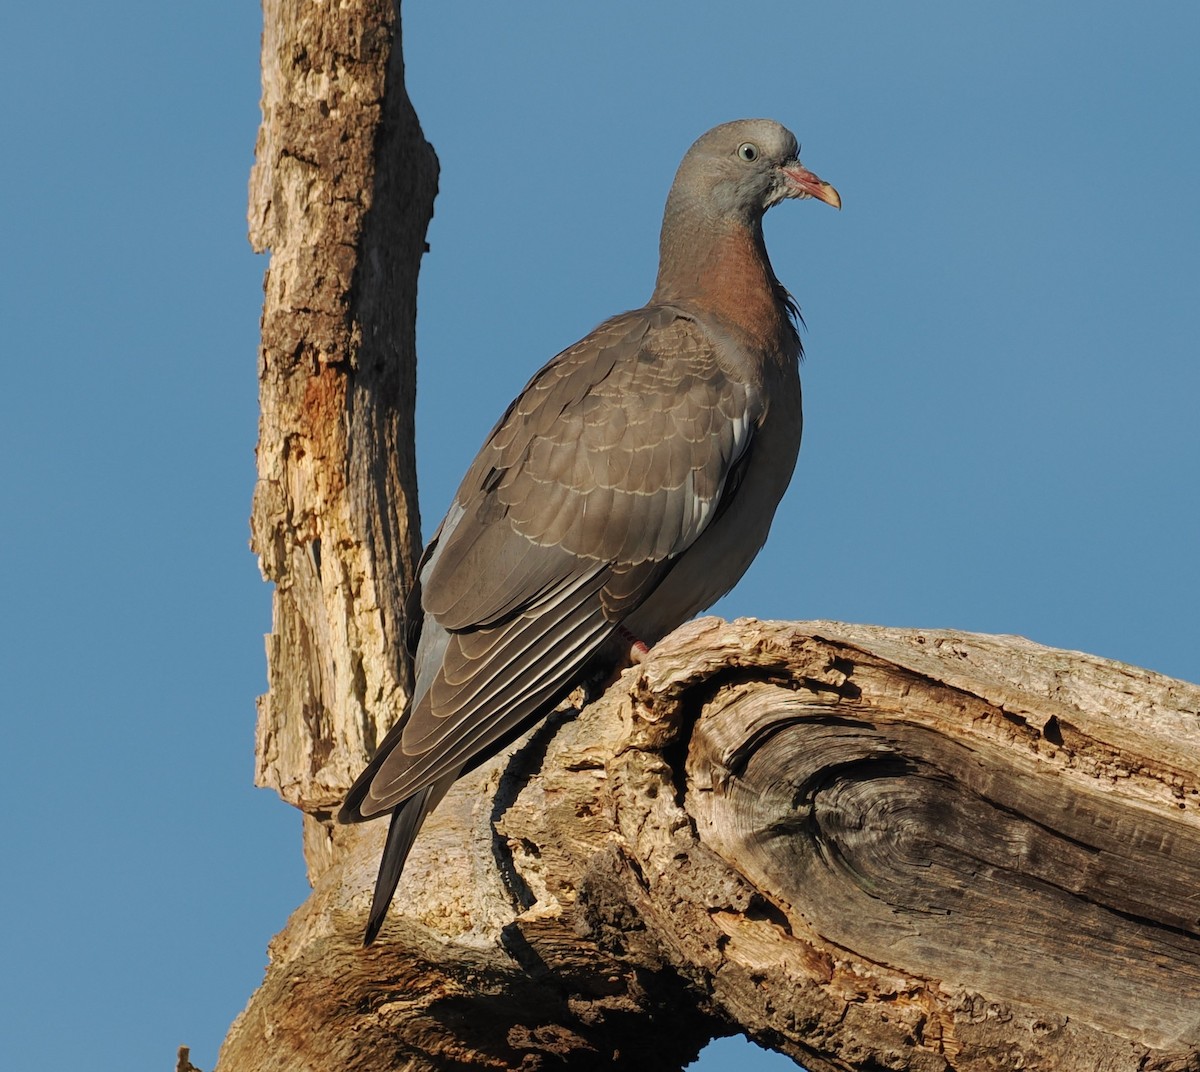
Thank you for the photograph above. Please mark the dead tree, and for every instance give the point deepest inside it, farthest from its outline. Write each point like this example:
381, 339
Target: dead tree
866, 848
341, 195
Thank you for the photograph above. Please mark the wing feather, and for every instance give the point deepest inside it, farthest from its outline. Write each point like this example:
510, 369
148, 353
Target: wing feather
436, 739
608, 466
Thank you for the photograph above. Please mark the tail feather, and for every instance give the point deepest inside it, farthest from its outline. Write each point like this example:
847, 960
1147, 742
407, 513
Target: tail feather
402, 832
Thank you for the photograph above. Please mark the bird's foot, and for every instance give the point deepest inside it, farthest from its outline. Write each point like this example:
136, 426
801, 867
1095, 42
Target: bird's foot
624, 651
637, 649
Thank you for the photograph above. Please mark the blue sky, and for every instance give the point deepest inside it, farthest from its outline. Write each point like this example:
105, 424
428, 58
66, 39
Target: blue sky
1001, 392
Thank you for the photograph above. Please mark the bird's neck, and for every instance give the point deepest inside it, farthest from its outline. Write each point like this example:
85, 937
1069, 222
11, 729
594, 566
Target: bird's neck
727, 274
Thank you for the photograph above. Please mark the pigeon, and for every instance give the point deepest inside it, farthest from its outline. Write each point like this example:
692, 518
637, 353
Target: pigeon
628, 487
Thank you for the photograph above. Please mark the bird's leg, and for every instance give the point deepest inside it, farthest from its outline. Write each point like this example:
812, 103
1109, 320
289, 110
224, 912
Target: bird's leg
637, 650
622, 652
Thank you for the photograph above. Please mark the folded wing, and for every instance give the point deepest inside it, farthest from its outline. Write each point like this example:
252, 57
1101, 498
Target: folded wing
613, 460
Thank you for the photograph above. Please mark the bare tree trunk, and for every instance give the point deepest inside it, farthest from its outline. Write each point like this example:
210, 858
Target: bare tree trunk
341, 194
867, 848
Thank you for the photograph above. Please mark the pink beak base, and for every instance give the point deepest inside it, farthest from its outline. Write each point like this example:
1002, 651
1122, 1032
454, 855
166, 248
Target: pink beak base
808, 185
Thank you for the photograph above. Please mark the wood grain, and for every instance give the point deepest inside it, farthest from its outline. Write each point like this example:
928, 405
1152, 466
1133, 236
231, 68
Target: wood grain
863, 847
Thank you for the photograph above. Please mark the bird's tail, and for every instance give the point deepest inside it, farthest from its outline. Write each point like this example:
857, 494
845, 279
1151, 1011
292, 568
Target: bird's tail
402, 832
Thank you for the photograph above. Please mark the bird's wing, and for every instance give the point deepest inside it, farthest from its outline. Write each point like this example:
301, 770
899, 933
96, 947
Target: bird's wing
613, 460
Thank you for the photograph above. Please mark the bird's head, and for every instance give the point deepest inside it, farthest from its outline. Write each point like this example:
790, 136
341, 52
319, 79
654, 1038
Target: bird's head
739, 170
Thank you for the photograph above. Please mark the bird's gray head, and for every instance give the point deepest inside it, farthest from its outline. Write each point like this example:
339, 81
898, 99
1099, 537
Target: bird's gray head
738, 170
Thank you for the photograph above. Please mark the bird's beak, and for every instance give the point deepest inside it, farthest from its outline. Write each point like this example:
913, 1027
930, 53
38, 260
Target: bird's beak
803, 183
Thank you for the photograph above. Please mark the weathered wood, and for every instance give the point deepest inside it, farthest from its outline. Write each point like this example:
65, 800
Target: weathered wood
341, 194
867, 848
978, 813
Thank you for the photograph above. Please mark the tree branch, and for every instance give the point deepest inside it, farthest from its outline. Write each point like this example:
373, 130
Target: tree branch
865, 847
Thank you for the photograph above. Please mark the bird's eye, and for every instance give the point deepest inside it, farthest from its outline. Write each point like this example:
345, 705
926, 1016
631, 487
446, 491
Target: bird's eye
748, 151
